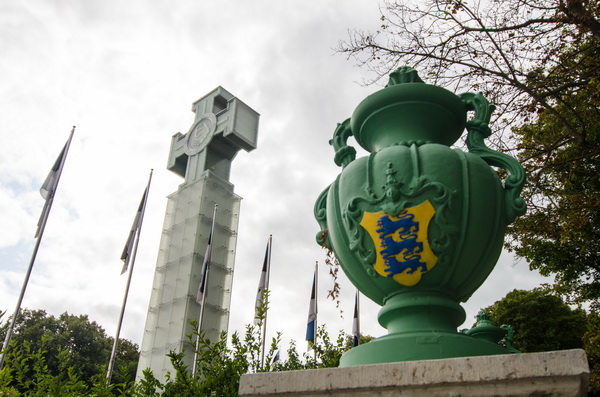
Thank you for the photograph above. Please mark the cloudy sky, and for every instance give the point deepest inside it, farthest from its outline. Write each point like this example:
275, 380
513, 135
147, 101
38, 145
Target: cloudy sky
126, 73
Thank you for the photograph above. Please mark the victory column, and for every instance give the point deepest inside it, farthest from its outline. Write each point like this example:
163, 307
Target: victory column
223, 125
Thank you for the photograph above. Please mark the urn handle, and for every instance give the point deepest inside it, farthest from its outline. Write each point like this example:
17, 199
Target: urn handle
477, 130
344, 154
320, 212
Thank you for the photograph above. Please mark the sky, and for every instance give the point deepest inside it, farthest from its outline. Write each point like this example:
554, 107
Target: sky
126, 74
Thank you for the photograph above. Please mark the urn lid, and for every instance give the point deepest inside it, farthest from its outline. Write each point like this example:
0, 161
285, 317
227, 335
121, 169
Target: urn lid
408, 110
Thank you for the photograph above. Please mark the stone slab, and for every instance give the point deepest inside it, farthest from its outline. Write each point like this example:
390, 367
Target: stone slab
559, 373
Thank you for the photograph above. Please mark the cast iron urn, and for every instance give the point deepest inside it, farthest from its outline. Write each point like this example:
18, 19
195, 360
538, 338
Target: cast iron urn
416, 225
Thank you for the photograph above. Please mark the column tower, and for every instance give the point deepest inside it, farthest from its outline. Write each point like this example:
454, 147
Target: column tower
223, 125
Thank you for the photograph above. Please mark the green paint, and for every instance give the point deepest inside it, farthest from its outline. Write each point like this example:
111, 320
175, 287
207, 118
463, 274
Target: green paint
416, 225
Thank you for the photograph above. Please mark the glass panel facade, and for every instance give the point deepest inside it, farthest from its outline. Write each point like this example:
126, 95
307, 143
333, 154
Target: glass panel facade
173, 305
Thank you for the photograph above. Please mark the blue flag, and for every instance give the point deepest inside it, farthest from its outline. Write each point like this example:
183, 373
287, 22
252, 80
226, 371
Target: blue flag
312, 312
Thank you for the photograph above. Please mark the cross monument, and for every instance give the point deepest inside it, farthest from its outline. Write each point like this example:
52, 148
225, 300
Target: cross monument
223, 125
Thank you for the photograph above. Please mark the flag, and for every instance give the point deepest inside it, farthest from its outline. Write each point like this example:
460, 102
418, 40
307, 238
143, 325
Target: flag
275, 357
263, 282
50, 184
312, 312
206, 263
137, 224
356, 323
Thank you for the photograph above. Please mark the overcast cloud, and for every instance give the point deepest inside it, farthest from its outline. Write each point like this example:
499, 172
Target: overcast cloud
126, 73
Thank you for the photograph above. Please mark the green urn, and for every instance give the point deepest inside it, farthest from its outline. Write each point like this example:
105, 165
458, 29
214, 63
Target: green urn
416, 225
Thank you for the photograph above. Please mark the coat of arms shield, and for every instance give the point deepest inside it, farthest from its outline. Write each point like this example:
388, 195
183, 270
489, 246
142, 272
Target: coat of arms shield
401, 242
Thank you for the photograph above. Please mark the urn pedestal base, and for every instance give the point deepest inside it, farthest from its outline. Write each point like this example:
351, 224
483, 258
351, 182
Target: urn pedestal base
419, 346
562, 373
422, 326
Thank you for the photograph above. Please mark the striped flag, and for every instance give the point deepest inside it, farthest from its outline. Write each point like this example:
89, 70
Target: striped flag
275, 357
51, 183
206, 263
356, 322
263, 282
135, 228
312, 311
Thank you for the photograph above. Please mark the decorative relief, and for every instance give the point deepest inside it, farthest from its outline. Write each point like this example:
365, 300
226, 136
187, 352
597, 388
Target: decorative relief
201, 133
398, 223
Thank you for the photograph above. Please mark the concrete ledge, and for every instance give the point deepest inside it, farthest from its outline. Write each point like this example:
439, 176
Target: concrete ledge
559, 373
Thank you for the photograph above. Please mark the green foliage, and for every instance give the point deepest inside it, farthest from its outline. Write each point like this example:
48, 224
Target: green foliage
323, 354
328, 353
262, 306
591, 344
66, 342
512, 51
26, 373
218, 372
219, 365
544, 322
31, 373
560, 235
541, 321
148, 386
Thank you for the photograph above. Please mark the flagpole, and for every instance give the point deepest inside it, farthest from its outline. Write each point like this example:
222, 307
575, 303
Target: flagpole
113, 353
39, 233
212, 229
264, 326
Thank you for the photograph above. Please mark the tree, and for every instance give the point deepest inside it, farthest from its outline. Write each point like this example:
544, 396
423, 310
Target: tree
561, 234
538, 62
541, 321
28, 369
510, 49
29, 374
591, 343
81, 342
544, 322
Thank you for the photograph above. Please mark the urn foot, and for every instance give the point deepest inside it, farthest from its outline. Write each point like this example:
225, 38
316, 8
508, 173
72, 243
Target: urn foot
419, 346
423, 326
